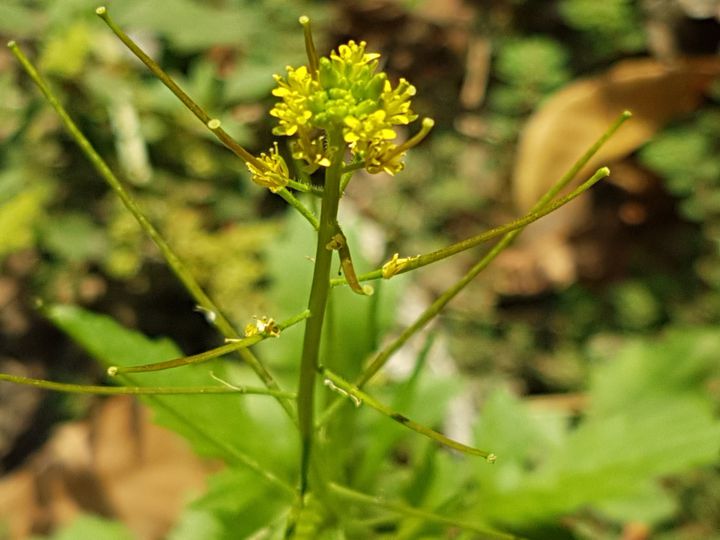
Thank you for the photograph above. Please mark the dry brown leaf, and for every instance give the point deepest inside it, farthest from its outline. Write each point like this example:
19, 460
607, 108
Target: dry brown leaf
118, 465
564, 127
574, 117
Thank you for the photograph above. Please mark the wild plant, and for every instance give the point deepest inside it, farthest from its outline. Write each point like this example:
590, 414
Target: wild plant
339, 115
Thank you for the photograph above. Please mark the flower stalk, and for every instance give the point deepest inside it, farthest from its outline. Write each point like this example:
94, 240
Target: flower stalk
317, 304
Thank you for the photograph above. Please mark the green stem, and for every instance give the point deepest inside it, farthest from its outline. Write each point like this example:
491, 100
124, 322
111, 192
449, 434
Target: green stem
582, 161
352, 167
359, 397
352, 495
300, 207
383, 356
418, 261
317, 304
213, 124
207, 355
198, 111
430, 313
177, 266
304, 188
140, 390
313, 61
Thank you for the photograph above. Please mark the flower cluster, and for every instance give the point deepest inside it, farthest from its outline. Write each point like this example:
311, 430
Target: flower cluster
346, 94
270, 170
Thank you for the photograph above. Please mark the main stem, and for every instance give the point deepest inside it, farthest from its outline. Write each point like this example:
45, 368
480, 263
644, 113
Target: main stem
317, 304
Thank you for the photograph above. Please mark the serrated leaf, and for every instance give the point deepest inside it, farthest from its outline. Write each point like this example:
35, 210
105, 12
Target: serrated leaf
648, 418
230, 508
215, 425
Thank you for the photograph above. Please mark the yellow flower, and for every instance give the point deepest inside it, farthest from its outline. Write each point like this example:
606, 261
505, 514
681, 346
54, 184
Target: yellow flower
311, 149
396, 102
292, 111
273, 173
345, 93
384, 157
369, 128
353, 54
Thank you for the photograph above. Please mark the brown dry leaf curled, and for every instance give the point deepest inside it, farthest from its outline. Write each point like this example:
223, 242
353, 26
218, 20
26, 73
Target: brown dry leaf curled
564, 128
572, 118
118, 465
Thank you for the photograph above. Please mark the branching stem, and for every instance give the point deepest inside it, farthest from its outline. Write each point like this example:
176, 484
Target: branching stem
418, 261
212, 124
359, 397
206, 356
386, 353
175, 263
140, 390
358, 497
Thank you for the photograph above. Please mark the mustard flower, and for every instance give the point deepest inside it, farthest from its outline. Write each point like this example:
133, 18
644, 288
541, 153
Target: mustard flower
349, 96
273, 172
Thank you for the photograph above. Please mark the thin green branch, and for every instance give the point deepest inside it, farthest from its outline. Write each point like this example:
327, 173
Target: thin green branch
381, 358
582, 161
305, 188
206, 356
300, 207
213, 124
198, 111
352, 167
140, 390
384, 355
358, 497
400, 266
346, 389
177, 266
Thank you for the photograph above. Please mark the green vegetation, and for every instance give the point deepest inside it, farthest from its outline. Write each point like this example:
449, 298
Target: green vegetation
596, 403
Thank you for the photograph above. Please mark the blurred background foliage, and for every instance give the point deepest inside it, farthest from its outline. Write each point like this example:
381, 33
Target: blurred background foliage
570, 373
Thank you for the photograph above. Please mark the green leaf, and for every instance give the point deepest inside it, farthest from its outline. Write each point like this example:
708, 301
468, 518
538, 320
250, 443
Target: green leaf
655, 370
676, 154
18, 20
230, 509
635, 304
535, 62
18, 218
217, 426
64, 54
86, 526
649, 417
74, 237
193, 25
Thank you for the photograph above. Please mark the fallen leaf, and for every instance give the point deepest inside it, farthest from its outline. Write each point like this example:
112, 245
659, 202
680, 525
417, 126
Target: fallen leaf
562, 130
117, 465
575, 116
